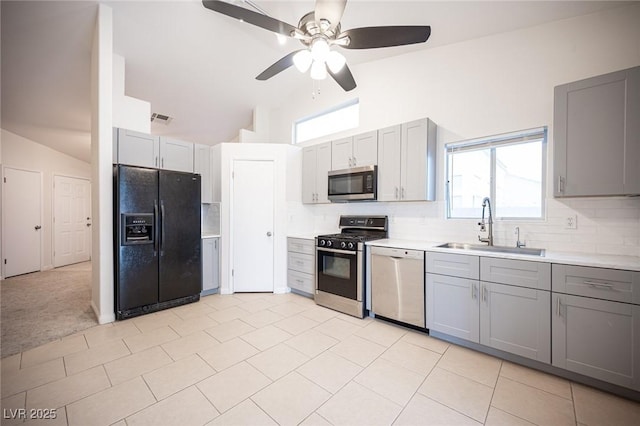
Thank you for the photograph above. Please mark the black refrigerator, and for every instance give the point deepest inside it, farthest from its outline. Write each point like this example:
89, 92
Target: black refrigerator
156, 239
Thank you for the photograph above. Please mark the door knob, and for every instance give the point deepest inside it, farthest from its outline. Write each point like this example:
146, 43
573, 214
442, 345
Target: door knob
268, 233
38, 227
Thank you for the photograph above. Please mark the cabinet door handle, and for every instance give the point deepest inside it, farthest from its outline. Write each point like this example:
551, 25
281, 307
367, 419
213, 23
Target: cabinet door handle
396, 192
162, 162
474, 291
599, 284
403, 194
354, 161
560, 184
558, 306
156, 162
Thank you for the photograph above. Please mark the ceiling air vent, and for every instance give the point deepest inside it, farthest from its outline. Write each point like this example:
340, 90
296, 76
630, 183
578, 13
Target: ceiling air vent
160, 118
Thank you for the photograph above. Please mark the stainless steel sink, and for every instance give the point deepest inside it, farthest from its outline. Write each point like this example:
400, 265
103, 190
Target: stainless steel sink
494, 249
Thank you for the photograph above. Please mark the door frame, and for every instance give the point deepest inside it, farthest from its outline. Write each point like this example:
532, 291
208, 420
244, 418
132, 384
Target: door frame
53, 213
4, 219
232, 217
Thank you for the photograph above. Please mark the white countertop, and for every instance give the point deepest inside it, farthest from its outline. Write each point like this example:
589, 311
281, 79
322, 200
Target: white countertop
303, 236
572, 258
203, 236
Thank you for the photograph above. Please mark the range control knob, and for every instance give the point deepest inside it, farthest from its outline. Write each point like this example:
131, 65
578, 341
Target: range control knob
322, 243
343, 244
329, 243
350, 245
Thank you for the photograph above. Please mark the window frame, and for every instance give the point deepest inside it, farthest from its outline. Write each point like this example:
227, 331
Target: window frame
492, 143
336, 108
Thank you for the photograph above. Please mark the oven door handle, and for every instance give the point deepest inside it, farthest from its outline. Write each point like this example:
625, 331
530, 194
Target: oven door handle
335, 250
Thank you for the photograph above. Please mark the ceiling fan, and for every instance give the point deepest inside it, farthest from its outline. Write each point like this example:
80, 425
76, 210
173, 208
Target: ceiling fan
318, 31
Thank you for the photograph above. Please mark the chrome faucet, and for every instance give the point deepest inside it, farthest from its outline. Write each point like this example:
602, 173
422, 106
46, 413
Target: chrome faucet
519, 244
486, 202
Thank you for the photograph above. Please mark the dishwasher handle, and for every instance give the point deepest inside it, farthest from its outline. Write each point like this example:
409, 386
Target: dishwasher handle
397, 253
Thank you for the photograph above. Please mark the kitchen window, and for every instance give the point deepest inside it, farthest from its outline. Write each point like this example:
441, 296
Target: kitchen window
337, 119
509, 168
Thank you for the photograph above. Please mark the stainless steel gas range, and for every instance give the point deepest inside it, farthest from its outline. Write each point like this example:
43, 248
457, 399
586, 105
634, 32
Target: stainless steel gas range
341, 263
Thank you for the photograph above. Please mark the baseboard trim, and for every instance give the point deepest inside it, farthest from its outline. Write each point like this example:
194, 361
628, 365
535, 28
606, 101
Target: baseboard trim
103, 319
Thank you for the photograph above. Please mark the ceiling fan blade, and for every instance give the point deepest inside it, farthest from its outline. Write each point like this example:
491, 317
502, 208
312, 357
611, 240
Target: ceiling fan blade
251, 17
344, 78
374, 37
281, 65
331, 10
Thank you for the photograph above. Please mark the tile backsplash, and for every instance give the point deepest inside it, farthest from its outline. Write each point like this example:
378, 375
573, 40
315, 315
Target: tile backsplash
211, 218
604, 225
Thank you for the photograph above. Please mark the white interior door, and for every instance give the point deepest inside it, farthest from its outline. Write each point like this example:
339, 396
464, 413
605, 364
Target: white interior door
252, 233
71, 220
21, 226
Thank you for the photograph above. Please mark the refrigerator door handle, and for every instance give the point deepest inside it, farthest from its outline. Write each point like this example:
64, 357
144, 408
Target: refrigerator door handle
157, 221
163, 233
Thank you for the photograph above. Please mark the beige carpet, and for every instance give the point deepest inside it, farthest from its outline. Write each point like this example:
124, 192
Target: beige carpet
44, 306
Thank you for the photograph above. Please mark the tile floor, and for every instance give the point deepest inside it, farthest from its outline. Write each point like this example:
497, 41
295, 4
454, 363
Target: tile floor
261, 359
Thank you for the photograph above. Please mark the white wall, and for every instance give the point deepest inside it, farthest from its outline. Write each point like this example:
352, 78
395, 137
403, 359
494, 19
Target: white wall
26, 154
128, 113
224, 155
481, 87
102, 292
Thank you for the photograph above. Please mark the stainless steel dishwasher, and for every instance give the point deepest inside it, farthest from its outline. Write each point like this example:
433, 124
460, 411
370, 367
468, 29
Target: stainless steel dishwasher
397, 284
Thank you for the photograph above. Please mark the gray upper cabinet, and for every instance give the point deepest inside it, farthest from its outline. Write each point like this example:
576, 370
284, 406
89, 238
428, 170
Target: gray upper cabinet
176, 155
202, 164
355, 151
389, 163
597, 136
136, 149
144, 150
316, 163
406, 162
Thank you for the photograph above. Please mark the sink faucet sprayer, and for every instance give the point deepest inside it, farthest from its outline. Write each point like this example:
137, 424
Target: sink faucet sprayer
486, 201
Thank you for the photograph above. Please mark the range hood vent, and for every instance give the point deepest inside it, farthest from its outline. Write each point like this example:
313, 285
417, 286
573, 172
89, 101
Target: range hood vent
160, 118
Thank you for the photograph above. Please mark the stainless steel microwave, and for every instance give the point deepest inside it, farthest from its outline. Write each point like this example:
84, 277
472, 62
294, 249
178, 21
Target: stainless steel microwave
356, 184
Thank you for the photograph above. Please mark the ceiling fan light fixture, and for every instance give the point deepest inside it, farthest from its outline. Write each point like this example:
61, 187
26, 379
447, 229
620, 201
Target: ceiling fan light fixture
335, 61
320, 50
302, 60
318, 70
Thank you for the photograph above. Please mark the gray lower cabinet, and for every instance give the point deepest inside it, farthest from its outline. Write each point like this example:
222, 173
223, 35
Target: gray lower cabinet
512, 314
593, 332
301, 265
516, 320
451, 305
596, 135
210, 265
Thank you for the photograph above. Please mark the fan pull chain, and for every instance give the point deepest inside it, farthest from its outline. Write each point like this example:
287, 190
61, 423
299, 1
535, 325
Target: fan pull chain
316, 90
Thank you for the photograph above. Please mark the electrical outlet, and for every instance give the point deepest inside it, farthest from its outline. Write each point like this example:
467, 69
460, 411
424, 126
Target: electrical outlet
571, 222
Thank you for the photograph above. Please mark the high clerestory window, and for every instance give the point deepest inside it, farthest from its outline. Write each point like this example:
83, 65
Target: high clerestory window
342, 117
509, 168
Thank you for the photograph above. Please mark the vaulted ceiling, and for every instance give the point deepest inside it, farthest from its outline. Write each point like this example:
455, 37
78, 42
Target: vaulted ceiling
198, 66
